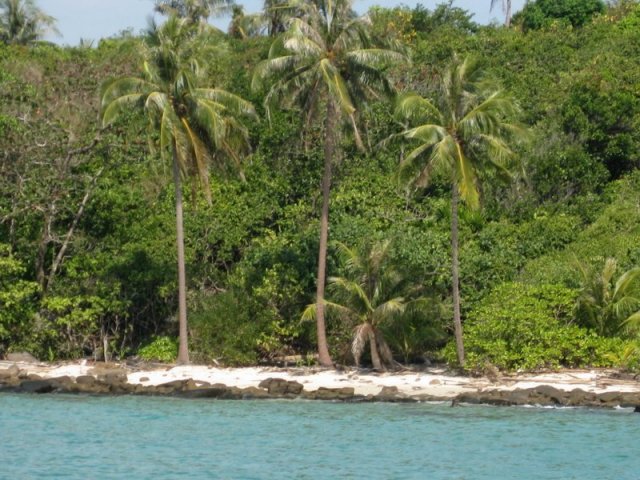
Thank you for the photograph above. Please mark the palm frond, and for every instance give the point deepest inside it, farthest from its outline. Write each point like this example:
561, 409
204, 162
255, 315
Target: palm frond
417, 109
376, 57
467, 179
337, 86
354, 289
234, 104
119, 105
388, 309
626, 282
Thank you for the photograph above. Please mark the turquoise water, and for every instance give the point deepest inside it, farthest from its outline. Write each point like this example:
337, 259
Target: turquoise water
77, 437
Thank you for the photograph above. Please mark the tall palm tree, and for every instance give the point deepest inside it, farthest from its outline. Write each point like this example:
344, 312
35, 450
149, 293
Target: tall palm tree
464, 131
197, 126
325, 64
506, 9
609, 305
22, 22
371, 293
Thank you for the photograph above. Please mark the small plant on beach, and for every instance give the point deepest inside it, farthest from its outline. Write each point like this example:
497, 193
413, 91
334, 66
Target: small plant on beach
162, 349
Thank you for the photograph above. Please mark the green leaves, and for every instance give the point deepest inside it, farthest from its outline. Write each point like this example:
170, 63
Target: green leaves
465, 123
529, 327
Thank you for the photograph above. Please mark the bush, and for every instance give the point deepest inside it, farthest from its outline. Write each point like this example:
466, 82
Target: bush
161, 349
223, 331
523, 327
18, 300
542, 13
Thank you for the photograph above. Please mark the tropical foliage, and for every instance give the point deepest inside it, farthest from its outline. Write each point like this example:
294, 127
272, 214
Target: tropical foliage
88, 257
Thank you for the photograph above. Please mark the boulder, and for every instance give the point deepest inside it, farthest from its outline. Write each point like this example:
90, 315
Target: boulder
86, 380
391, 394
36, 386
579, 398
332, 394
24, 357
254, 393
280, 387
9, 373
111, 376
218, 390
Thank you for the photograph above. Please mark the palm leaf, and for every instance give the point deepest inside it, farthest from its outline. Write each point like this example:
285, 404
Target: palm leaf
337, 86
119, 105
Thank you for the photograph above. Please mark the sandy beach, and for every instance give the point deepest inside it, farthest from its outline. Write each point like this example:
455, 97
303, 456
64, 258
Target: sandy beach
434, 382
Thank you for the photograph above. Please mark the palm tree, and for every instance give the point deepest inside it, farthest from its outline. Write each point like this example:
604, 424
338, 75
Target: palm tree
197, 126
272, 21
325, 64
463, 131
609, 305
22, 22
196, 11
506, 9
371, 293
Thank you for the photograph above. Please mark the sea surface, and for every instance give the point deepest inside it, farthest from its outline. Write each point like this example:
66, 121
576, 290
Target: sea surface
82, 437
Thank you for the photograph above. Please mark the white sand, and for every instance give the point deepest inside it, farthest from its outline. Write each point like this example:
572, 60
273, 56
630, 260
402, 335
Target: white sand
433, 381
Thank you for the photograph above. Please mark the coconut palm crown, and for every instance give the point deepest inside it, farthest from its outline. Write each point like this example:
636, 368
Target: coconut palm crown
324, 64
22, 22
464, 131
197, 126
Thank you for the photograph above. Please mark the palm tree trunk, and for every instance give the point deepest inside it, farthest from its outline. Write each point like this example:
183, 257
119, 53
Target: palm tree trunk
375, 355
329, 151
507, 20
455, 274
183, 349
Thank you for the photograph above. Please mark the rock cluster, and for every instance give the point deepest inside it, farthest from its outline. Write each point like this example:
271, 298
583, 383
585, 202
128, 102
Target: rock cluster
113, 381
545, 395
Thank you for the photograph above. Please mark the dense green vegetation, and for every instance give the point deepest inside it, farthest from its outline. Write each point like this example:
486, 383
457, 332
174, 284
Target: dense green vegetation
548, 266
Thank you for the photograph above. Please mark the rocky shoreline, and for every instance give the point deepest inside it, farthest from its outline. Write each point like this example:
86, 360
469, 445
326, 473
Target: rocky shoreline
105, 379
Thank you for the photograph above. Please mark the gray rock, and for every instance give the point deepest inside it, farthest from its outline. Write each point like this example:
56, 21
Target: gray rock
36, 386
279, 386
332, 394
22, 357
12, 372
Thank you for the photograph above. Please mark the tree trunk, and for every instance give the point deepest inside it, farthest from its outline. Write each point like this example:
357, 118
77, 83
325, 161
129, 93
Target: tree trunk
507, 20
45, 238
455, 274
67, 239
183, 349
329, 152
375, 356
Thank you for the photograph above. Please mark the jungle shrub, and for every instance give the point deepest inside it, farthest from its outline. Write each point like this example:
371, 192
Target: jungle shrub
524, 327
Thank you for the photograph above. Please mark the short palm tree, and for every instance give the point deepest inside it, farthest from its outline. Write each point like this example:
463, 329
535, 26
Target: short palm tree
197, 126
463, 131
372, 292
22, 22
608, 305
325, 64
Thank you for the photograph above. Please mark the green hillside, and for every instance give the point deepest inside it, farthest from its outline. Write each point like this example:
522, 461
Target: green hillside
88, 257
